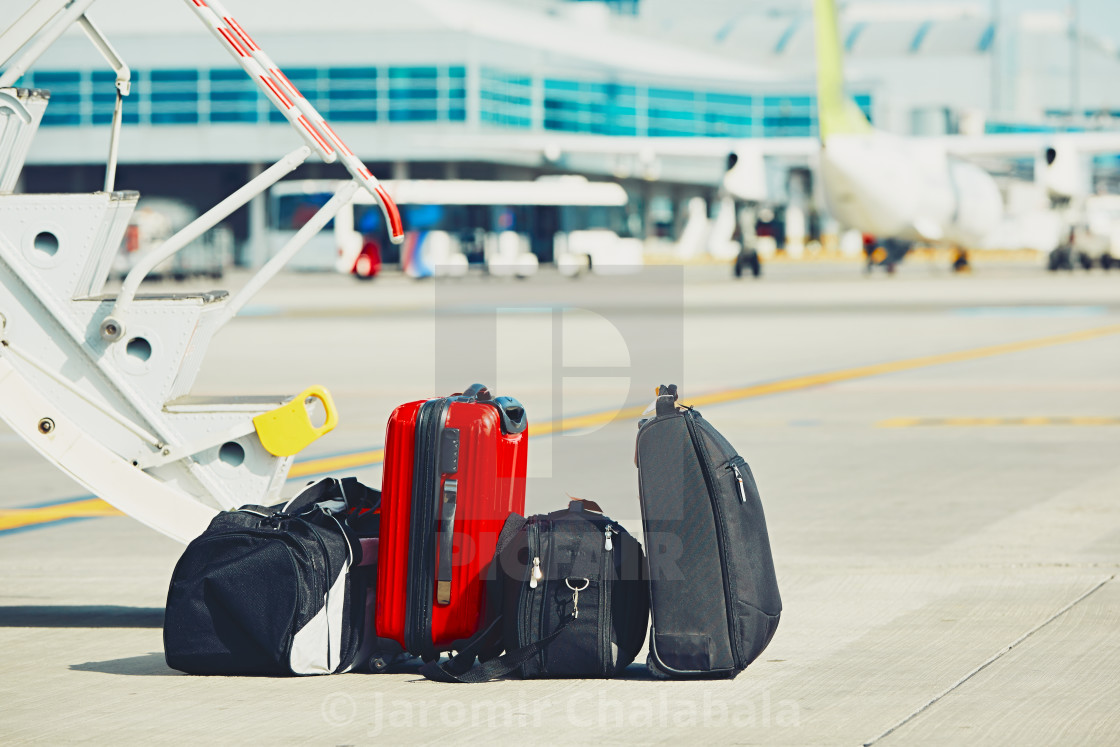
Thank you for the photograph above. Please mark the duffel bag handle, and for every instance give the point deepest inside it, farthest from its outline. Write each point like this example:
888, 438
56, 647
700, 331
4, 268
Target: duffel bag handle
582, 504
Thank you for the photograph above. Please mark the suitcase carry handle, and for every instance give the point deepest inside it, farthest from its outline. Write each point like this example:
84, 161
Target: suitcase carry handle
478, 392
510, 411
512, 414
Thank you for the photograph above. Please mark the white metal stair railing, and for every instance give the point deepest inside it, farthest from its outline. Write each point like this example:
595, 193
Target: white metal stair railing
21, 111
100, 385
42, 25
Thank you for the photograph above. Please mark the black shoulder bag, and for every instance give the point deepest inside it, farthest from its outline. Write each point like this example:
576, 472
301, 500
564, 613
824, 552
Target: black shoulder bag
568, 598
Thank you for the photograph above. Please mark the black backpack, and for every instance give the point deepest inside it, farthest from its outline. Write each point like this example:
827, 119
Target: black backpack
568, 598
277, 590
714, 602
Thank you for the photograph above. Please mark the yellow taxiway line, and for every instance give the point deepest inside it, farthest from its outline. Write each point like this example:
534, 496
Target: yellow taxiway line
1066, 420
87, 507
83, 508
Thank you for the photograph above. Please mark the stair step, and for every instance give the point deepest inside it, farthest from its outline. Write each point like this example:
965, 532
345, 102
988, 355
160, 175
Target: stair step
193, 403
204, 297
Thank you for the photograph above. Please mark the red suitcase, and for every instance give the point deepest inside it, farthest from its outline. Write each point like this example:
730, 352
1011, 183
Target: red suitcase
454, 470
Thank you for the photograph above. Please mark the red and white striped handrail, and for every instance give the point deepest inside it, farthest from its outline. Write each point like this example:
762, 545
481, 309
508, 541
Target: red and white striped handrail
293, 105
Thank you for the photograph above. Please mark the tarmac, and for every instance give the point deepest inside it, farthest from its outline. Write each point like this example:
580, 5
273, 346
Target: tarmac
938, 457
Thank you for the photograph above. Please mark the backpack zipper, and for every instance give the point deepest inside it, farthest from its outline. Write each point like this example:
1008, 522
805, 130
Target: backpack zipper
526, 632
721, 539
739, 482
605, 585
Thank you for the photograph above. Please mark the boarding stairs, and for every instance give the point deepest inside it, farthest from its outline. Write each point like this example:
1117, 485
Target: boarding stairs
100, 384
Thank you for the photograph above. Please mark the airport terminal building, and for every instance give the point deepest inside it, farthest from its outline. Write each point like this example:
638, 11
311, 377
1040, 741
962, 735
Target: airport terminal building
491, 90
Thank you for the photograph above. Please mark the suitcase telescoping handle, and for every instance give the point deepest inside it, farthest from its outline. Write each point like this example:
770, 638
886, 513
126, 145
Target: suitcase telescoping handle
446, 531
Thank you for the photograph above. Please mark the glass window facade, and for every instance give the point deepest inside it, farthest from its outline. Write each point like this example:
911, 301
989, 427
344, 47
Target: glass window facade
506, 99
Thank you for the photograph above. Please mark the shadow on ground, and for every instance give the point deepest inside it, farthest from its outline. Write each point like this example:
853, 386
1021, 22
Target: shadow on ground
148, 665
80, 616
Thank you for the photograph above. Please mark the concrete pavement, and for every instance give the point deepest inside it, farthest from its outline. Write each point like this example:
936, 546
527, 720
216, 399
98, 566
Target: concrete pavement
942, 583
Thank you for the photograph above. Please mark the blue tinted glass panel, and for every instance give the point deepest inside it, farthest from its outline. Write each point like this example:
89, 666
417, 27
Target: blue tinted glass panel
173, 76
732, 99
427, 73
505, 99
561, 85
222, 76
352, 73
65, 109
364, 114
50, 78
412, 115
232, 115
174, 117
672, 94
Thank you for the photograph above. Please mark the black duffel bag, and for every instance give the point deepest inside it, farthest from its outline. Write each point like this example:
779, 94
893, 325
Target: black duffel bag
568, 598
280, 590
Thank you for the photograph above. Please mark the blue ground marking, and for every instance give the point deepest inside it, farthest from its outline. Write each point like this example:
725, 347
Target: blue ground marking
56, 502
1030, 311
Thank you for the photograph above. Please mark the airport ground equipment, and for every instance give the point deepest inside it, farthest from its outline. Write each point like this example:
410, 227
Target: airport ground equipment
100, 384
454, 470
714, 602
449, 237
570, 600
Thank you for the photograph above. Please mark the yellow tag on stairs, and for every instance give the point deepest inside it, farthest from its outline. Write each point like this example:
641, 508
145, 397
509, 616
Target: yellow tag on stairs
288, 429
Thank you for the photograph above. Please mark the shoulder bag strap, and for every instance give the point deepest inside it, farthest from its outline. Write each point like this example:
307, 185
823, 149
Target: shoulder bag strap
458, 668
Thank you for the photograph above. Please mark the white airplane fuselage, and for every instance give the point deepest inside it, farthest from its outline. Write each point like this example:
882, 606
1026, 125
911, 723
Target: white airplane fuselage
907, 188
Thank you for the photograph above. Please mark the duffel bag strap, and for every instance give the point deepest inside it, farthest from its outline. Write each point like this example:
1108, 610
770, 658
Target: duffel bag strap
359, 496
456, 669
348, 490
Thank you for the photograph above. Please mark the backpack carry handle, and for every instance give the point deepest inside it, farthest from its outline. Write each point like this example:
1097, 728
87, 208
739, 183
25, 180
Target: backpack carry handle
666, 400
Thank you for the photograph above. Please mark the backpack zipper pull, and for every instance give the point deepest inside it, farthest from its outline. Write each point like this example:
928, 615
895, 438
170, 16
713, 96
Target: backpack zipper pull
608, 545
739, 480
535, 575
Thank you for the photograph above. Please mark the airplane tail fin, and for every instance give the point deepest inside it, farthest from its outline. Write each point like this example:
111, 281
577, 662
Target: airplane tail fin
837, 114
